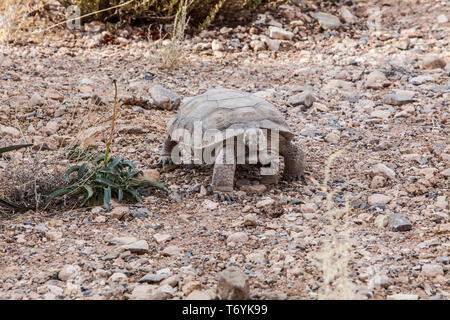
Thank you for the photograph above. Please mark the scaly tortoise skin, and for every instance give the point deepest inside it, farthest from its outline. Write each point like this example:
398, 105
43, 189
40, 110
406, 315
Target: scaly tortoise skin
225, 108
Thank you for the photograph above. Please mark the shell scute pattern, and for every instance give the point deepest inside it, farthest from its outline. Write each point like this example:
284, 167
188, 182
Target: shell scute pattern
221, 109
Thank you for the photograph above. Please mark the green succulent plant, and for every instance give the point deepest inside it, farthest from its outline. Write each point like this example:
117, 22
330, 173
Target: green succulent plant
103, 180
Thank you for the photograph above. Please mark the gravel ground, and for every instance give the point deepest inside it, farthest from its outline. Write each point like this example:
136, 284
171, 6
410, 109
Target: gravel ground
379, 95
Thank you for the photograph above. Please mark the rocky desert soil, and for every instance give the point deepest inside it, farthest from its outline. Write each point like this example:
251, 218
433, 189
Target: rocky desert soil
374, 84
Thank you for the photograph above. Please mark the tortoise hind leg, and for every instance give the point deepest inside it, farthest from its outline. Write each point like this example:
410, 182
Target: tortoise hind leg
223, 176
294, 160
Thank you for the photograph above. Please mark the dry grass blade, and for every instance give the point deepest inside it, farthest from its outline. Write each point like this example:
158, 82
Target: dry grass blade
336, 253
168, 53
13, 14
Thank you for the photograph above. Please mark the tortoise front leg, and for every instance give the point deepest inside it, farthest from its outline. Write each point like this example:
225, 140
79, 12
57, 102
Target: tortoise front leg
294, 160
166, 157
223, 176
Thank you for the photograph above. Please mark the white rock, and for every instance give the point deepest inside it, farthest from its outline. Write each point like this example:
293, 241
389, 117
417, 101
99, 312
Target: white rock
210, 205
233, 284
36, 100
265, 202
376, 80
140, 246
383, 170
118, 277
442, 18
237, 237
441, 202
308, 207
162, 237
9, 131
332, 138
378, 199
432, 270
403, 296
216, 45
68, 272
347, 15
199, 295
327, 21
432, 61
279, 33
381, 221
377, 182
118, 212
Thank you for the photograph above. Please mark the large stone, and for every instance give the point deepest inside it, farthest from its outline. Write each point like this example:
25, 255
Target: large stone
10, 131
327, 21
138, 247
398, 222
442, 18
210, 205
432, 61
153, 278
237, 237
378, 199
150, 174
347, 15
233, 284
272, 44
36, 100
376, 80
432, 270
305, 98
68, 272
119, 212
216, 45
403, 296
383, 170
162, 237
265, 202
199, 295
279, 33
397, 99
122, 240
164, 98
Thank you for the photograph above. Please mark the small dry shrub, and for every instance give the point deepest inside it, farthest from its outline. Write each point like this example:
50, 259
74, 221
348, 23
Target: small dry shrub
13, 15
203, 12
28, 183
21, 20
169, 52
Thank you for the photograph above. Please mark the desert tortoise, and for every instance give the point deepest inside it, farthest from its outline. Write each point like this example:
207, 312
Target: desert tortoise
231, 115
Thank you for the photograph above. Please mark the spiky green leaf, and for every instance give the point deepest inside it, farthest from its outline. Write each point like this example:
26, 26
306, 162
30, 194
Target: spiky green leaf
107, 198
14, 147
69, 171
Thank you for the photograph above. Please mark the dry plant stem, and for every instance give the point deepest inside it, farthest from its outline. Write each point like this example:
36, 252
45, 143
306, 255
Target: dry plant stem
335, 255
88, 15
113, 124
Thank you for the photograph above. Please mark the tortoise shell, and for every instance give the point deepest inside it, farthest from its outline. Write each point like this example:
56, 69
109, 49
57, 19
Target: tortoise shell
221, 109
